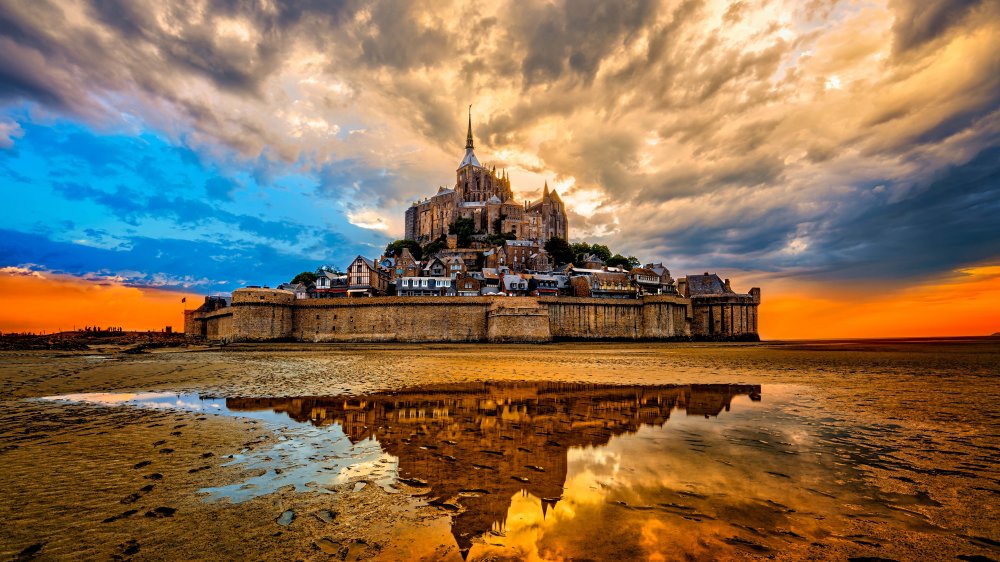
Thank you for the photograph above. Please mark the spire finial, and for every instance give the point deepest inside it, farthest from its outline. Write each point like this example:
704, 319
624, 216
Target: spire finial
468, 138
546, 192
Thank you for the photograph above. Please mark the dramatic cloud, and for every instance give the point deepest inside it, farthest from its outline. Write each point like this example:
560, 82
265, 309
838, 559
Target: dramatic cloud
826, 138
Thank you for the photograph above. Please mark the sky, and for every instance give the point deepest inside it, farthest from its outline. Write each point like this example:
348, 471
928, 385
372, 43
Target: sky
842, 155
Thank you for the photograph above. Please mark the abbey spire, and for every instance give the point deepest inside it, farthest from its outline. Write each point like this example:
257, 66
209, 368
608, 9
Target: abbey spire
468, 138
470, 156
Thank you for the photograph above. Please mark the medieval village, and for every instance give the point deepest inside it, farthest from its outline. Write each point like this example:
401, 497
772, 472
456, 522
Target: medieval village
476, 240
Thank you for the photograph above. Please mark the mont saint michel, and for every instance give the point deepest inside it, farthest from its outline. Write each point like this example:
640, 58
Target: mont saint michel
493, 270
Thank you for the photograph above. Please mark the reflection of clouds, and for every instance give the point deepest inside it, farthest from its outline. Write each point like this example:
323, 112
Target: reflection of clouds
309, 460
305, 457
619, 490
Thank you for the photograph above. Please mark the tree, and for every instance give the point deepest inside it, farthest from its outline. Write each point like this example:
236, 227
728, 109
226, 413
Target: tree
580, 249
435, 246
464, 227
560, 250
618, 260
394, 249
601, 251
633, 262
498, 238
306, 277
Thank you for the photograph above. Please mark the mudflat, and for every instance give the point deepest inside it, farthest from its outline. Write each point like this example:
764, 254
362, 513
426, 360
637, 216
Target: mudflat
793, 450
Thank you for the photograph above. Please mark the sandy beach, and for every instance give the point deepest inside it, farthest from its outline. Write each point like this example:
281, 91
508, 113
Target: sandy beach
898, 440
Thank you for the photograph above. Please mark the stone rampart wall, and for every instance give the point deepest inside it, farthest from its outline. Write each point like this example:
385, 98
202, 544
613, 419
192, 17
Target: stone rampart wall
269, 314
403, 319
217, 325
724, 317
654, 317
262, 314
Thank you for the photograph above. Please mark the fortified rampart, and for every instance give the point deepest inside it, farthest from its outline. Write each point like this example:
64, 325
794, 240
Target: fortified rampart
271, 314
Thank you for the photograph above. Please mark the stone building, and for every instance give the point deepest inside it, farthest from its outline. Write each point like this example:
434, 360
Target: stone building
483, 195
717, 311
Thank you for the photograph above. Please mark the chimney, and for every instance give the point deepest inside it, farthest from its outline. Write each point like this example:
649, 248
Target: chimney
729, 288
682, 286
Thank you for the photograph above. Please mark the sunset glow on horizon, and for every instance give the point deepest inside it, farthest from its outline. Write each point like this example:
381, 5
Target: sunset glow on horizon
843, 156
51, 303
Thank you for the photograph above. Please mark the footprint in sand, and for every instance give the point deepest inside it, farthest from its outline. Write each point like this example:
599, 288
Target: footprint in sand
161, 512
133, 497
139, 465
122, 515
326, 516
29, 552
127, 548
154, 476
166, 451
328, 546
286, 518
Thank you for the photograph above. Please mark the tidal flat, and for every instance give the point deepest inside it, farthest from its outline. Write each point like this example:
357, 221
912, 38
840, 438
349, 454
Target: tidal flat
832, 450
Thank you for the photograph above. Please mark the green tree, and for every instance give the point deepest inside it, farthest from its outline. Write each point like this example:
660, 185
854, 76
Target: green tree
601, 251
304, 277
618, 260
580, 249
633, 262
560, 250
435, 246
498, 238
395, 248
464, 227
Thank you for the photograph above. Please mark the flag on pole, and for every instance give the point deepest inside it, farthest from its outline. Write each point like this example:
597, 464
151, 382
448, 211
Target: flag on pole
185, 299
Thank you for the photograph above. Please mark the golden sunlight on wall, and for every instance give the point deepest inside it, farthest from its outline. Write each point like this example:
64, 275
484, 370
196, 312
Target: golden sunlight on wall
965, 305
36, 302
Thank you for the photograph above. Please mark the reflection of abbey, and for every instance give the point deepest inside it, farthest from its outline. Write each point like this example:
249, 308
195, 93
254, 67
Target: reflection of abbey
475, 445
485, 197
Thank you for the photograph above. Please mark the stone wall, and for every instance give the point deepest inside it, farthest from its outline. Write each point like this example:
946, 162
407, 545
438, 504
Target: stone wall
404, 319
270, 314
218, 325
725, 317
518, 319
653, 317
262, 314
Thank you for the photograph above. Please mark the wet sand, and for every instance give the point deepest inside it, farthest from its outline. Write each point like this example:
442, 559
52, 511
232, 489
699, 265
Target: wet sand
898, 440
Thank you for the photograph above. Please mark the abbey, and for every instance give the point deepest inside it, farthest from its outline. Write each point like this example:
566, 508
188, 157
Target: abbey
485, 197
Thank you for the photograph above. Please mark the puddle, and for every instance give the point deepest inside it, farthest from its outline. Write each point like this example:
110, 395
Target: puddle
306, 457
550, 470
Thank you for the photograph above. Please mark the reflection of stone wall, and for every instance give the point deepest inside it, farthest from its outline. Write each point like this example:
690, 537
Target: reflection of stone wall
269, 314
476, 444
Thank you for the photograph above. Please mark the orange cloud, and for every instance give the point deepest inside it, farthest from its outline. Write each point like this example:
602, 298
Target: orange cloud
967, 304
32, 301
